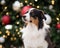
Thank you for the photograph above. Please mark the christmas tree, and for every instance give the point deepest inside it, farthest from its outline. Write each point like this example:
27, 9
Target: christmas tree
11, 22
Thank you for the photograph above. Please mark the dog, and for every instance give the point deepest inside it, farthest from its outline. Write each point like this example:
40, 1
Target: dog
33, 36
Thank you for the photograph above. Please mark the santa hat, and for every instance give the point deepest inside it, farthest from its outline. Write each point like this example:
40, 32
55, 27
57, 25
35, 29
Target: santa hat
25, 9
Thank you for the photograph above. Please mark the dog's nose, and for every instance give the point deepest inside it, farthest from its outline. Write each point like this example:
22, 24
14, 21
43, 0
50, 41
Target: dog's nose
30, 21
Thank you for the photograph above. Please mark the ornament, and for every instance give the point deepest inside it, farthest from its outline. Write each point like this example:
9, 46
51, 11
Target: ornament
2, 40
48, 19
6, 19
8, 27
50, 7
46, 26
25, 9
16, 6
58, 26
2, 2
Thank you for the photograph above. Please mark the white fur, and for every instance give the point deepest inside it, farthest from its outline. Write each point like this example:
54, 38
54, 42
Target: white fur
33, 38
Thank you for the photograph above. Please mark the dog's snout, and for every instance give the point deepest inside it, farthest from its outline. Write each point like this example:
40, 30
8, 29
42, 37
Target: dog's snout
30, 21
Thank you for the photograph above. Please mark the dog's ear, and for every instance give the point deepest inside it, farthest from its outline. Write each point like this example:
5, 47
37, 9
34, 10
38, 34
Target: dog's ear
42, 14
37, 13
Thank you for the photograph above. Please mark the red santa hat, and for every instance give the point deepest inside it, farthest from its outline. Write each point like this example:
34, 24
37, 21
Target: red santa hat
25, 9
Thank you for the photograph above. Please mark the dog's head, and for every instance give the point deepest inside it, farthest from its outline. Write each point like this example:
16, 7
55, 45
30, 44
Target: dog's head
37, 14
26, 17
34, 13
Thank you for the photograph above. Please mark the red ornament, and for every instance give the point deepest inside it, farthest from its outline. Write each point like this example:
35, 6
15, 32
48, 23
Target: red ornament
6, 19
25, 9
58, 26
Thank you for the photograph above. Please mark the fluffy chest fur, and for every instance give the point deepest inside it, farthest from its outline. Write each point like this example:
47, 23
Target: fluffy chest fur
33, 37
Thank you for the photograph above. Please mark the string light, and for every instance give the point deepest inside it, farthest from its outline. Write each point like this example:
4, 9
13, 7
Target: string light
7, 31
4, 36
57, 19
33, 5
17, 16
11, 38
52, 2
36, 0
0, 32
18, 33
17, 30
21, 28
17, 23
26, 1
30, 3
8, 34
5, 8
1, 46
7, 13
38, 6
14, 38
21, 4
13, 35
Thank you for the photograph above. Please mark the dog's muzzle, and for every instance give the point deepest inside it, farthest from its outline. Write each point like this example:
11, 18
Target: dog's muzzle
26, 17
